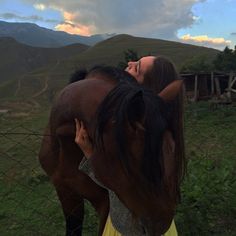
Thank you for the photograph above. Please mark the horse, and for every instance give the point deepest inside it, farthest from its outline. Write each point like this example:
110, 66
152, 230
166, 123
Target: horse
128, 127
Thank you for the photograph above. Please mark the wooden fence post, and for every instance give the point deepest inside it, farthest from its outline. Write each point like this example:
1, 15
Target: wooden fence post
195, 88
228, 90
217, 83
212, 84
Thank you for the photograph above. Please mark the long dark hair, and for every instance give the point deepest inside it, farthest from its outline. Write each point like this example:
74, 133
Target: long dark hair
125, 105
162, 73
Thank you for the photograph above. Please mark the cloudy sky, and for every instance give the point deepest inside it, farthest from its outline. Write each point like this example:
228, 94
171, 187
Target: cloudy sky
210, 23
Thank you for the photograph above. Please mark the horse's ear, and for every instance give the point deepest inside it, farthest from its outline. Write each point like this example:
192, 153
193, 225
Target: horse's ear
171, 91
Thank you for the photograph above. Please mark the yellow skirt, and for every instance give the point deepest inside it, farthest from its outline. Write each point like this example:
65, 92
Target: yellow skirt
109, 230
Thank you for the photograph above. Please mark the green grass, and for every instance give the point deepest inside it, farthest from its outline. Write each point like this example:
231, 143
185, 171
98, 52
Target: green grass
209, 191
29, 205
25, 191
28, 201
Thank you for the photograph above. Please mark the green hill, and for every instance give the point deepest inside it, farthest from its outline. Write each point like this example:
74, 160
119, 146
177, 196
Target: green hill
46, 81
17, 59
111, 50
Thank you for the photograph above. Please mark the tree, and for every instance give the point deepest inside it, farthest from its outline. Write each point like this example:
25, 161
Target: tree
226, 60
197, 64
129, 55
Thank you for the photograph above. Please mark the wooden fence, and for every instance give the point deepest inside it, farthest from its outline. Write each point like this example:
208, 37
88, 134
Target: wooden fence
217, 86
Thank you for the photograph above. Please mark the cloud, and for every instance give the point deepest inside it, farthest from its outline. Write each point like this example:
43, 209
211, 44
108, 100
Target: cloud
73, 28
9, 16
40, 7
34, 18
204, 40
150, 18
70, 26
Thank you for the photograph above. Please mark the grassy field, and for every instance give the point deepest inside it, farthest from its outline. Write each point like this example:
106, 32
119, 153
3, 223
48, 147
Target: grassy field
29, 205
209, 191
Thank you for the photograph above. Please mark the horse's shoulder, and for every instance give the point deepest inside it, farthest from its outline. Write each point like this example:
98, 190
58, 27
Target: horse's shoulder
79, 99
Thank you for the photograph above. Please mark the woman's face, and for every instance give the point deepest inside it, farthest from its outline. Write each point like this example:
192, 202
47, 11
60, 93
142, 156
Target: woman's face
140, 67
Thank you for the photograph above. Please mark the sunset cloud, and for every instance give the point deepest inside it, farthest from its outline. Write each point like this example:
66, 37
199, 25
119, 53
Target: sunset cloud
205, 40
70, 17
72, 27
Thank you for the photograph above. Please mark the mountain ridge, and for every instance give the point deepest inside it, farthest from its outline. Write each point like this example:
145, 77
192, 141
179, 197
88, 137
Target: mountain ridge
33, 35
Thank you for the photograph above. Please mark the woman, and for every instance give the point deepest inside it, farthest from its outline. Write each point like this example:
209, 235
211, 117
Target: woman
155, 73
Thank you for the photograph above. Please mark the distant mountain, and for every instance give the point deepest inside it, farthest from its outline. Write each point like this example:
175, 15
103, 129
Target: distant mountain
17, 59
34, 35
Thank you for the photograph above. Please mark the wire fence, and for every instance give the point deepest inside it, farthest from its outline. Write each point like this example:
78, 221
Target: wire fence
29, 204
24, 185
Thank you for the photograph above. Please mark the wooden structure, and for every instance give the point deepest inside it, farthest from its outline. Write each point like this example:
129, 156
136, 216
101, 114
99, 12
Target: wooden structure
214, 85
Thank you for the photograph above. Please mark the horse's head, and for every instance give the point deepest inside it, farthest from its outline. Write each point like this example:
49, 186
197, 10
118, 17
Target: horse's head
132, 117
129, 158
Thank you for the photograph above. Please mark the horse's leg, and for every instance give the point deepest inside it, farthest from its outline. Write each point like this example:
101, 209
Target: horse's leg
71, 202
72, 184
68, 190
73, 207
48, 153
96, 195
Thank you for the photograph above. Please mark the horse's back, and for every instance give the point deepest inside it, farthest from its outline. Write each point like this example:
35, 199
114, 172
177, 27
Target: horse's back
77, 100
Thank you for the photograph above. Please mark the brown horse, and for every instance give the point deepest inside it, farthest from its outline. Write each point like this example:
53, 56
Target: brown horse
133, 150
59, 156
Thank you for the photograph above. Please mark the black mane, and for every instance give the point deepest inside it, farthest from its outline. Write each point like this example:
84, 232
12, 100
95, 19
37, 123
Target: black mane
129, 102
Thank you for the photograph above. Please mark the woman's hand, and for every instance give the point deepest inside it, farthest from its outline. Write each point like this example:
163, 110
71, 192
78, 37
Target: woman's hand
82, 139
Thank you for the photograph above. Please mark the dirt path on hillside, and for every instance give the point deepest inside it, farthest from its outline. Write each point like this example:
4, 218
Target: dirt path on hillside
45, 87
18, 86
35, 104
